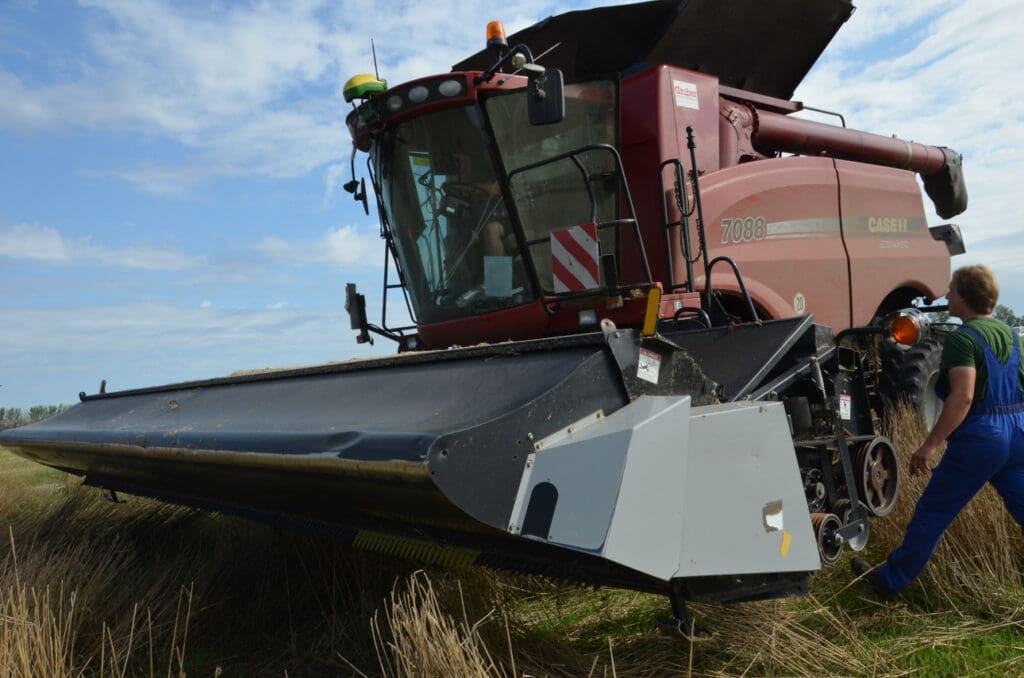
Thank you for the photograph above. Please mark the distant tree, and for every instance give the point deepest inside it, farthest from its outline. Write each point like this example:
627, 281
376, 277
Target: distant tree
11, 417
40, 412
1006, 314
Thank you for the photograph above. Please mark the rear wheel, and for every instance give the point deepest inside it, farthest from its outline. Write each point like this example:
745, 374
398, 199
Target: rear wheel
910, 375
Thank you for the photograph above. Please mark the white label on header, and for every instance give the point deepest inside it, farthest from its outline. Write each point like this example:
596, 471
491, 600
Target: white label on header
686, 94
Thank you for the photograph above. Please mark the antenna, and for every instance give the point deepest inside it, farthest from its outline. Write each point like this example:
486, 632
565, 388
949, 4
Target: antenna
374, 50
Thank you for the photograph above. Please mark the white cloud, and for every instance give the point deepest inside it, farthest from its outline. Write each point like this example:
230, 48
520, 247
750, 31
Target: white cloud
154, 343
247, 89
947, 81
168, 181
45, 244
334, 177
28, 241
221, 81
345, 246
153, 327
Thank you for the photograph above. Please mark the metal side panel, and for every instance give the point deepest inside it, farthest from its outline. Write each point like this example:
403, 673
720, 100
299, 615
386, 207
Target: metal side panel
645, 532
743, 502
611, 486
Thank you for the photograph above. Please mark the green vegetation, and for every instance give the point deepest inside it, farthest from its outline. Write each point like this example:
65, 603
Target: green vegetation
11, 417
93, 588
1006, 314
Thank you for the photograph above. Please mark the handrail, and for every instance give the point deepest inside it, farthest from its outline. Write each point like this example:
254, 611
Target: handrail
684, 223
739, 279
574, 156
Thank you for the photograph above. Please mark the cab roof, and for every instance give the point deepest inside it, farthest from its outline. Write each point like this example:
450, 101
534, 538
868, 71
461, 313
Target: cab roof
762, 46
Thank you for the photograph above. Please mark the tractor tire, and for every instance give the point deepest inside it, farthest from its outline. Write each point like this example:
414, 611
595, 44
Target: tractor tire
909, 375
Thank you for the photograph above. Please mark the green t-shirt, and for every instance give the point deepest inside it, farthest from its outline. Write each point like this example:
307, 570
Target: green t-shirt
961, 350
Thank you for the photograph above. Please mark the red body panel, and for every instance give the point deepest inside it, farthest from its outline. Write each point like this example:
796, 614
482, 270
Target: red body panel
653, 129
887, 237
779, 220
521, 322
809, 234
531, 321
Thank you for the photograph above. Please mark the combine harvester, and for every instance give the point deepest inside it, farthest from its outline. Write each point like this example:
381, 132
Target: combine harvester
591, 389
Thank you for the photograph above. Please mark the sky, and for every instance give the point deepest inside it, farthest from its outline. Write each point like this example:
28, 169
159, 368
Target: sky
170, 171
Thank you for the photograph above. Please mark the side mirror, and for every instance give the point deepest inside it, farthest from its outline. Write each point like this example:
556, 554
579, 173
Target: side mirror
358, 191
355, 304
546, 96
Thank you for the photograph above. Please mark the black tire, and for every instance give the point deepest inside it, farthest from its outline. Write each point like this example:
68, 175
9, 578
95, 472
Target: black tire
910, 375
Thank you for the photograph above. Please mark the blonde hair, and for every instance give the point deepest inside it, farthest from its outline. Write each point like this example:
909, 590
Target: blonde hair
977, 286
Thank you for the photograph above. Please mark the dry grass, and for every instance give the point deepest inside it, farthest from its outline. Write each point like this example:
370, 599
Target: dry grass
979, 564
415, 636
61, 585
91, 588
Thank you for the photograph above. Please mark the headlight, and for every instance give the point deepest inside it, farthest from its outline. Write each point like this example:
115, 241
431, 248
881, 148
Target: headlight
450, 88
418, 94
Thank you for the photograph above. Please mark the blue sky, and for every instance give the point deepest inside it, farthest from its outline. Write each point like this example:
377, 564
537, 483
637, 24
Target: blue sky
170, 202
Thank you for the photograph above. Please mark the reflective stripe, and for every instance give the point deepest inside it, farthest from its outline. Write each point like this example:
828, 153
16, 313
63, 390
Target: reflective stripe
574, 258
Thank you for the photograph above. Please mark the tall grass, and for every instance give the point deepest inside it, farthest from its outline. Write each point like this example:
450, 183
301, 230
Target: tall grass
93, 588
979, 564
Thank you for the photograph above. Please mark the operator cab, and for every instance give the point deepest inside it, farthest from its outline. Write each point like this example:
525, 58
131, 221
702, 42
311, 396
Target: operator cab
468, 240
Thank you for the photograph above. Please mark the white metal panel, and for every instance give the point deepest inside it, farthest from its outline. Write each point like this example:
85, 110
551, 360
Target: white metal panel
646, 529
742, 495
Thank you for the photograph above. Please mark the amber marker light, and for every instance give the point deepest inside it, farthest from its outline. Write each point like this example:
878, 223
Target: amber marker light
906, 330
496, 35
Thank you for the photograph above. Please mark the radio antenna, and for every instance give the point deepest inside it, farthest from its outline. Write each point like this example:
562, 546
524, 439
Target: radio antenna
374, 50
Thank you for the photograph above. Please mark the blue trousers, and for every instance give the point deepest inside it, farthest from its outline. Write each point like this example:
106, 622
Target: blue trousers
988, 448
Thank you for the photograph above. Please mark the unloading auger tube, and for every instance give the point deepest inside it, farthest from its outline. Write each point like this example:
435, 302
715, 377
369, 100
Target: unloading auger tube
662, 464
941, 168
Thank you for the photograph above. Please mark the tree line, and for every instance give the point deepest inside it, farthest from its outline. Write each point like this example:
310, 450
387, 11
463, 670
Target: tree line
10, 417
1000, 312
1006, 314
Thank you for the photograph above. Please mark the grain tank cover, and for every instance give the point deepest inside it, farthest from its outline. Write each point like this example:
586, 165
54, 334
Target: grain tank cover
765, 46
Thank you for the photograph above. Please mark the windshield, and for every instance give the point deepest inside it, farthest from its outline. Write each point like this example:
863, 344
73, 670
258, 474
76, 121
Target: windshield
456, 245
567, 192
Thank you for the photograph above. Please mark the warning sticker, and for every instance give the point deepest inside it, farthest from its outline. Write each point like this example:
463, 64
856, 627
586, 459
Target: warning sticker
649, 366
685, 94
844, 406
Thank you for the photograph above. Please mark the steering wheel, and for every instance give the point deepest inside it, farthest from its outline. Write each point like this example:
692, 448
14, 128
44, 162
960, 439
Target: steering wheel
463, 190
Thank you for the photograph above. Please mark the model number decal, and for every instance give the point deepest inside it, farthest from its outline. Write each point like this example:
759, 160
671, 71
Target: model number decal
745, 229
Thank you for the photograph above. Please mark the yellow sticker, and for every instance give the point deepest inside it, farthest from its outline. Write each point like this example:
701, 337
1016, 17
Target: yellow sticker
787, 539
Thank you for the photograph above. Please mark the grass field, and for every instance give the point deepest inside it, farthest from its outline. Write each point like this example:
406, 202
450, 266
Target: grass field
93, 588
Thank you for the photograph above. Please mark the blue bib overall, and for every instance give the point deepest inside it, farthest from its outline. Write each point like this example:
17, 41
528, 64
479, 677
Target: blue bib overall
987, 447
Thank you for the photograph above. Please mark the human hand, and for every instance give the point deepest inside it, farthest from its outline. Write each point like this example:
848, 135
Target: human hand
919, 462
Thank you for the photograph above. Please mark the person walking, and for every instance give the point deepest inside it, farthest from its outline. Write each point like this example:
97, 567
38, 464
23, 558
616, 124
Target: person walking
981, 384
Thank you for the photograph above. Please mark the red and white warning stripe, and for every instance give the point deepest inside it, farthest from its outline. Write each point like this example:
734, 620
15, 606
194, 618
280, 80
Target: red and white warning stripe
574, 258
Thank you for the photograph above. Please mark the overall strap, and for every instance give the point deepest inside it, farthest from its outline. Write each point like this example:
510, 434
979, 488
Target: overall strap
1003, 394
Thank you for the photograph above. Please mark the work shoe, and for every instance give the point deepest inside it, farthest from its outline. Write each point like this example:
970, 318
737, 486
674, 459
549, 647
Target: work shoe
864, 569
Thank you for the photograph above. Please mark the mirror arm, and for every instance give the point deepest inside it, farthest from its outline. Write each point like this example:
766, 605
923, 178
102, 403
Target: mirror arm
518, 49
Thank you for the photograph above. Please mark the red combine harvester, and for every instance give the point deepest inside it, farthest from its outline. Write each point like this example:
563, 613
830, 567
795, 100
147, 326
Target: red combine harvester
620, 263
